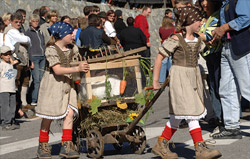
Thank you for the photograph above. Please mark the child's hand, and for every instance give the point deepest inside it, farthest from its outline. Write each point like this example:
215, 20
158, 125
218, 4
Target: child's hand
156, 85
83, 67
13, 62
148, 44
118, 41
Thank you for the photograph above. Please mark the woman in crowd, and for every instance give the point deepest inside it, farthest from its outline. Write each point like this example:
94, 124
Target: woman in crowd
109, 28
51, 19
165, 31
6, 18
167, 28
36, 55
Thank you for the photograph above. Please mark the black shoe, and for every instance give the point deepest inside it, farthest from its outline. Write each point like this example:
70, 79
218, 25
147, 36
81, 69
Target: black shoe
217, 130
228, 134
214, 122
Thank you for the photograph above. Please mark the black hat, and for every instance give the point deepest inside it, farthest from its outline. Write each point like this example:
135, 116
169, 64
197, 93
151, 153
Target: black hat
118, 13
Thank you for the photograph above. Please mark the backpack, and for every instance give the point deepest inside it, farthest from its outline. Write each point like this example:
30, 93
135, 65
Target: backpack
22, 56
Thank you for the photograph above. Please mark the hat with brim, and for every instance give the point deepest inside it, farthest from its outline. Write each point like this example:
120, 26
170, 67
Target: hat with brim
118, 13
5, 49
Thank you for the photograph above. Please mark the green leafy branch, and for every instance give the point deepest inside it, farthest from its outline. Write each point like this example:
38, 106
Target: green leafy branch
149, 94
95, 103
124, 70
108, 86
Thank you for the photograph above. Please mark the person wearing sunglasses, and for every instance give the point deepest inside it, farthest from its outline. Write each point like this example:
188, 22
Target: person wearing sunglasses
22, 44
109, 28
7, 89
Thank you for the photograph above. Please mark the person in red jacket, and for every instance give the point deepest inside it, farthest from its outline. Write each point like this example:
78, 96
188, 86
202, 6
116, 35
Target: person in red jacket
142, 23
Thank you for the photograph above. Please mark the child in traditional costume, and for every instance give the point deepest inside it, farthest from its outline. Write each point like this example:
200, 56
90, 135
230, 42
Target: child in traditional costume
57, 96
185, 87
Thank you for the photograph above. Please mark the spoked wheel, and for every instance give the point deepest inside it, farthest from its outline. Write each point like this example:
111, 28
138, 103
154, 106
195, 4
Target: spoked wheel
76, 133
79, 143
139, 134
95, 144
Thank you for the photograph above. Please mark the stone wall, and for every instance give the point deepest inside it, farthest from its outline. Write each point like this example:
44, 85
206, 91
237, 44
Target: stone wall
74, 9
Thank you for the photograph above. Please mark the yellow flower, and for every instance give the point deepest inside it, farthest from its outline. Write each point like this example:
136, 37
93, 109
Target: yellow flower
132, 116
121, 105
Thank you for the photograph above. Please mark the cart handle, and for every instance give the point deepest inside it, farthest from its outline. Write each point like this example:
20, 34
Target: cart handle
148, 105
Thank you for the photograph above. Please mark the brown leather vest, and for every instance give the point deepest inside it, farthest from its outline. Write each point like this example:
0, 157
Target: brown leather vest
184, 55
64, 60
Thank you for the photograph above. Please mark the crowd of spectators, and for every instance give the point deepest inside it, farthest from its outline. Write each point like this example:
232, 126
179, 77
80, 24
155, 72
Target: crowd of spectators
28, 41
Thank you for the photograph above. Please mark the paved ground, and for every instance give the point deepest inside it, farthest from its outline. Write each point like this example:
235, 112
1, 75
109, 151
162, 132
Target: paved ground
22, 143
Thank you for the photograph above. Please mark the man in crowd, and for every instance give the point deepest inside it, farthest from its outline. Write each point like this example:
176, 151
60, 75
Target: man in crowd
87, 10
235, 64
132, 37
94, 37
83, 21
142, 23
23, 27
43, 13
21, 43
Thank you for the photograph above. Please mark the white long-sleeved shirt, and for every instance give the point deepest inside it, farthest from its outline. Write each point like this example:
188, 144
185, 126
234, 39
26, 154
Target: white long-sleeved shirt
15, 36
6, 42
109, 29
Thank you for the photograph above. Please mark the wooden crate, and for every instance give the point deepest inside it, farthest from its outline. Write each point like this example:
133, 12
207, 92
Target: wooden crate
132, 61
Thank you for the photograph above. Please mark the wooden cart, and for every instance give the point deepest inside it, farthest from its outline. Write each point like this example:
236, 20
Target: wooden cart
115, 134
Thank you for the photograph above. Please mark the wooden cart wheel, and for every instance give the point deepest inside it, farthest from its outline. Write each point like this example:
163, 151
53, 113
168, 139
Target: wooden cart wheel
76, 135
118, 147
138, 148
95, 144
